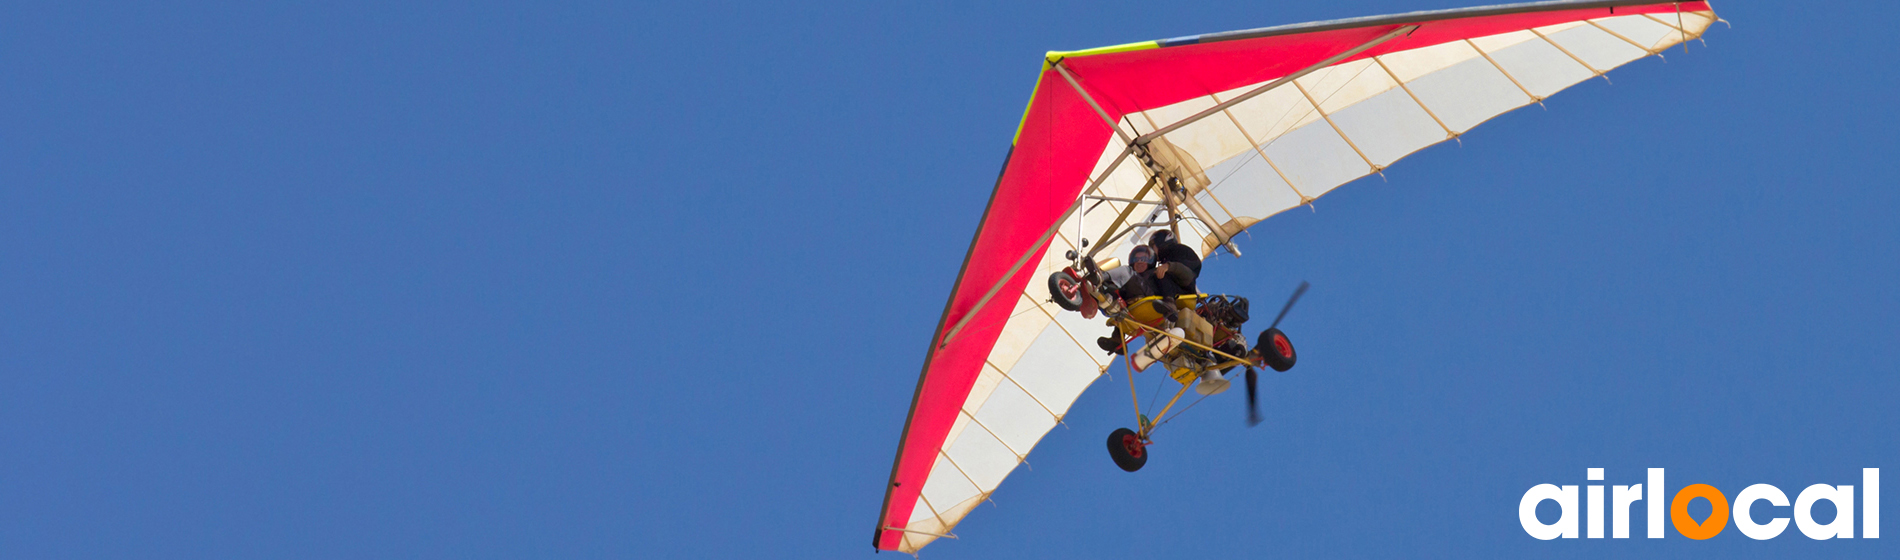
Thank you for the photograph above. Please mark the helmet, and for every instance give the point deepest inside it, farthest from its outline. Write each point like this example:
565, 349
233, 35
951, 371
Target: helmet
1161, 237
1141, 253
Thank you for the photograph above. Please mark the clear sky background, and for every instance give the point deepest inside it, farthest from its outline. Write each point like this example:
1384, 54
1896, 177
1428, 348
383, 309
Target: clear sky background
600, 280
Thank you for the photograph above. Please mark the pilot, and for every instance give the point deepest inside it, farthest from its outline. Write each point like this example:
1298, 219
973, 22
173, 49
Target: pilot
1136, 281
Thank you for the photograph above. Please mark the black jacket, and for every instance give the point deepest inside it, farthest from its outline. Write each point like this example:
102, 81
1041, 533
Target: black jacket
1139, 286
1172, 252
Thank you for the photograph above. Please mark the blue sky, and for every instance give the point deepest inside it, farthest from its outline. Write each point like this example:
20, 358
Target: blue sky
585, 280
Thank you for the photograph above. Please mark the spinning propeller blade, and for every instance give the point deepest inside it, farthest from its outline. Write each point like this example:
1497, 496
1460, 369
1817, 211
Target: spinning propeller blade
1297, 292
1253, 404
1253, 377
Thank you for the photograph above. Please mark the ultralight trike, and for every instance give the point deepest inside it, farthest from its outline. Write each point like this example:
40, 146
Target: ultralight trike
1196, 338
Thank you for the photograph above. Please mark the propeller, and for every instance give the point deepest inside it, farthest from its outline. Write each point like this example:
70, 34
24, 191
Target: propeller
1253, 377
1253, 405
1297, 292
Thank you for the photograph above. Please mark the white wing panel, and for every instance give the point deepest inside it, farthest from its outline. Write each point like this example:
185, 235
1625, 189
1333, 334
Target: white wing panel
922, 529
1468, 93
1081, 334
1597, 47
1540, 67
1251, 188
1389, 126
1343, 85
1640, 30
1269, 115
1054, 356
1057, 388
1316, 159
1015, 418
982, 457
1026, 322
1416, 63
1216, 207
946, 486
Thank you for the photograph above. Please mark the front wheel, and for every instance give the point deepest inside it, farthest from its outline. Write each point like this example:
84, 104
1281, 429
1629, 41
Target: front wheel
1126, 447
1066, 290
1276, 350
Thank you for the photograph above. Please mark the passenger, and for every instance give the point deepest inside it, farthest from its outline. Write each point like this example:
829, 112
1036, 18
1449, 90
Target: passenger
1177, 265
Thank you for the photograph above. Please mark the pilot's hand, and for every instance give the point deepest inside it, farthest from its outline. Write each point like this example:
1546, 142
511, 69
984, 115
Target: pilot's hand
1161, 270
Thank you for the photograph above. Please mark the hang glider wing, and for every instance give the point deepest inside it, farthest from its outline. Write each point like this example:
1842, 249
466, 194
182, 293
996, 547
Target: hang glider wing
1255, 123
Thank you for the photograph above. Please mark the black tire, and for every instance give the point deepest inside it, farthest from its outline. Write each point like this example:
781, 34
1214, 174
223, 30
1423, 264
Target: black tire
1066, 291
1129, 452
1276, 350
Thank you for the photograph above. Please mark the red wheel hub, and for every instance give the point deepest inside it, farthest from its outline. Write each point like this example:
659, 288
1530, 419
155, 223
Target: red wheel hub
1282, 345
1133, 444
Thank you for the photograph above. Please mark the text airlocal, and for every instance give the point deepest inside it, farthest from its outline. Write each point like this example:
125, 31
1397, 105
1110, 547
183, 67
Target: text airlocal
1651, 493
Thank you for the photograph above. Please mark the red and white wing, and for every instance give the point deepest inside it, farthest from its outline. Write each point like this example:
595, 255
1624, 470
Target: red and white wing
1004, 364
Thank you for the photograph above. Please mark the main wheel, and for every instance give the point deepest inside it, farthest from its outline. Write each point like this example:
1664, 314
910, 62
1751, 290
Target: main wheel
1065, 290
1276, 350
1127, 449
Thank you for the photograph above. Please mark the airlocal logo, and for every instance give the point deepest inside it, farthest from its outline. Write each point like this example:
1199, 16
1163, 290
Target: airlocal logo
1842, 497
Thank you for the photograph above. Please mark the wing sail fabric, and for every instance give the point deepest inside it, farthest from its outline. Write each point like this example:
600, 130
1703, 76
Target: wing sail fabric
1007, 376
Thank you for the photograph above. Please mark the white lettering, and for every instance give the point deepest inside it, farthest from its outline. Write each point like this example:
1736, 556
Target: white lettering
1566, 525
1870, 503
1843, 499
1595, 520
1659, 515
1655, 505
1622, 496
1747, 524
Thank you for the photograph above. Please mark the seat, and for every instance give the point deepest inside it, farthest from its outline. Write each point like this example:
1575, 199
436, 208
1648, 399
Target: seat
1143, 311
